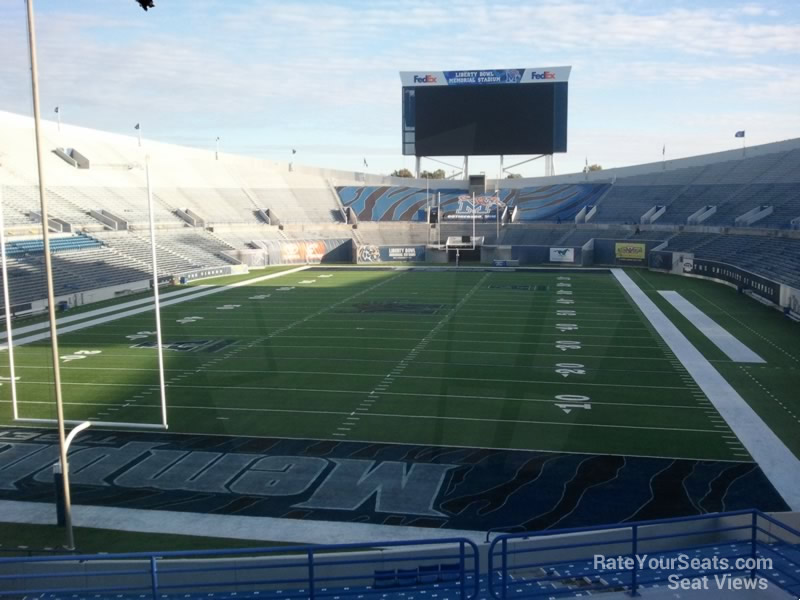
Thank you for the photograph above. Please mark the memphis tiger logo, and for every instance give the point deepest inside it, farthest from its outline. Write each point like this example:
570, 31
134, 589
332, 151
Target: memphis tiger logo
369, 254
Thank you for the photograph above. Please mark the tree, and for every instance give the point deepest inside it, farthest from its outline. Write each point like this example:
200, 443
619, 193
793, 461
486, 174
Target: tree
593, 168
513, 176
437, 174
401, 173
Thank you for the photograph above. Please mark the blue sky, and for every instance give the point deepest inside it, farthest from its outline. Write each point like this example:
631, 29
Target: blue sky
322, 76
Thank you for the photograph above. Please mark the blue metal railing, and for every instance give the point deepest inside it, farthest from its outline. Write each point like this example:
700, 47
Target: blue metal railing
571, 564
525, 565
313, 572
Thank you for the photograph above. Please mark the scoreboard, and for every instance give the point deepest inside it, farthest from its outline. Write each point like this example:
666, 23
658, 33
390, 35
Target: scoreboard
489, 112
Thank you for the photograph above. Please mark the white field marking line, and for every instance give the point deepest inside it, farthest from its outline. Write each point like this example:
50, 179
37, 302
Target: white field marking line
403, 364
101, 311
777, 462
746, 326
447, 351
396, 374
482, 341
280, 317
171, 383
450, 446
209, 325
440, 417
720, 337
236, 349
770, 394
423, 319
135, 311
511, 338
370, 397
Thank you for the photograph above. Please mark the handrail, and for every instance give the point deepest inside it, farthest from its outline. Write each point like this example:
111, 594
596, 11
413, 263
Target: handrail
631, 534
462, 554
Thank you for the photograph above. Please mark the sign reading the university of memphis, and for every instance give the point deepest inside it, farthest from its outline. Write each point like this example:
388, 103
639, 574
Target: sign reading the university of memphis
394, 484
628, 251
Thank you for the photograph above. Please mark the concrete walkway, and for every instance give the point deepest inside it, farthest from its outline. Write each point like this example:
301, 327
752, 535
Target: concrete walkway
258, 529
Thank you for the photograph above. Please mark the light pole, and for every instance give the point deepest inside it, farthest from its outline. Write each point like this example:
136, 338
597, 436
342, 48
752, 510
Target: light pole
216, 150
48, 268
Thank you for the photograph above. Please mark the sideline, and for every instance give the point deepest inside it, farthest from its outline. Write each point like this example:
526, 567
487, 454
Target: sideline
777, 462
204, 291
719, 336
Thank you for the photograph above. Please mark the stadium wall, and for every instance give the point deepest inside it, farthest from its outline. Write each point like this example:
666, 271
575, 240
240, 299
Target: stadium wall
92, 296
778, 295
370, 253
296, 252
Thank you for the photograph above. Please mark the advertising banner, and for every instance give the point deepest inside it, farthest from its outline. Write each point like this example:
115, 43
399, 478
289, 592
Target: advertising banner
376, 254
562, 255
307, 251
630, 251
485, 77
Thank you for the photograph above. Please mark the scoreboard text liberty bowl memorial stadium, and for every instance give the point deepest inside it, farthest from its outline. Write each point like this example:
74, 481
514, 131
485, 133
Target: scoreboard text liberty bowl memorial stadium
225, 376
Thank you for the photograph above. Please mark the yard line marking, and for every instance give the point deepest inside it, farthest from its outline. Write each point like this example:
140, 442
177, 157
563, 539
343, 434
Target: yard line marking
388, 380
770, 394
126, 313
777, 462
348, 392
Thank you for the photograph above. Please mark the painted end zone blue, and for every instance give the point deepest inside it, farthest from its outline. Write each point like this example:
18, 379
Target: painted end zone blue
403, 485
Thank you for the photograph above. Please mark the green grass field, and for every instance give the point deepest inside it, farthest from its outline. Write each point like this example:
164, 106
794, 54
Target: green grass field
482, 359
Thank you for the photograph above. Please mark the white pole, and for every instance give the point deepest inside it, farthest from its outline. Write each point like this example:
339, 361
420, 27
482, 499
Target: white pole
48, 269
159, 346
216, 150
439, 216
58, 116
473, 220
497, 213
139, 133
7, 304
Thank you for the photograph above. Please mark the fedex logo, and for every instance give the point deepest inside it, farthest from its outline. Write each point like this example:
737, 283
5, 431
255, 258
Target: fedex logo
426, 79
543, 75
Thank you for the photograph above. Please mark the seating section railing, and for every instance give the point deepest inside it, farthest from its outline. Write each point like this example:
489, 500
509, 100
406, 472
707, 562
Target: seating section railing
715, 548
363, 570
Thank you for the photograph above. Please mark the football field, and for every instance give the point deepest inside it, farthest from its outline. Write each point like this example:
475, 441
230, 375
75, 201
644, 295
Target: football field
554, 361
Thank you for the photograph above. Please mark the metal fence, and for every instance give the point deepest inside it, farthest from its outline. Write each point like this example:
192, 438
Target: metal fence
342, 570
720, 547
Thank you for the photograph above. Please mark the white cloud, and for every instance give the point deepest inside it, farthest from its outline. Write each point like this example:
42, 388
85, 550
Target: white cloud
325, 71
